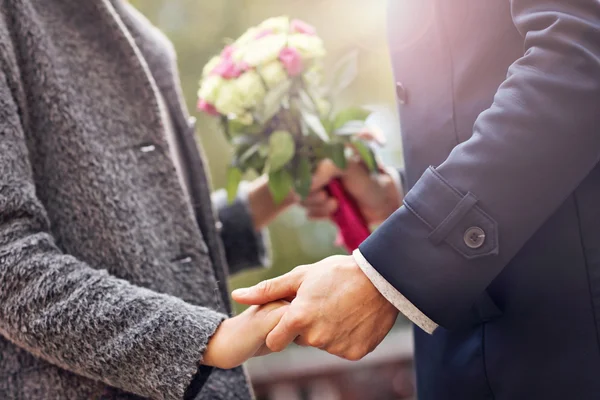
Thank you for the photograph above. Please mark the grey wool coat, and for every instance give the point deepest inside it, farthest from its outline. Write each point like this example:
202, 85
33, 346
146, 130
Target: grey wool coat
112, 279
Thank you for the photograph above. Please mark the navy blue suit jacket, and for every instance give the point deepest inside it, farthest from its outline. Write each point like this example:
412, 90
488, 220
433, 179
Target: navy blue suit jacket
498, 240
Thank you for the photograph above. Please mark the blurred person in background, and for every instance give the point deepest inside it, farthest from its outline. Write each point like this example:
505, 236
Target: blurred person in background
113, 264
495, 254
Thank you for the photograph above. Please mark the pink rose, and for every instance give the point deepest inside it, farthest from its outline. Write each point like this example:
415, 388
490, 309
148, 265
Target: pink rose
244, 66
227, 52
263, 33
208, 108
227, 69
291, 60
300, 26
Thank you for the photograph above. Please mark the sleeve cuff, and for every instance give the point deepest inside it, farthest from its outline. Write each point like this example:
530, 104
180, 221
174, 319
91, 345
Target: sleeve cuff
394, 296
245, 247
198, 382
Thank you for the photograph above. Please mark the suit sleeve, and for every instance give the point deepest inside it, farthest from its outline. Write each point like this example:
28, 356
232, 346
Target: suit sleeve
463, 221
79, 318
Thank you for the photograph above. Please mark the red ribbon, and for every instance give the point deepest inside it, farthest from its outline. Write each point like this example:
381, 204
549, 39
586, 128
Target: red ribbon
353, 229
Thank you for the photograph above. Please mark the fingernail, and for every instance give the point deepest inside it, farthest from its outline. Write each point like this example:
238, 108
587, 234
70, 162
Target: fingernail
240, 292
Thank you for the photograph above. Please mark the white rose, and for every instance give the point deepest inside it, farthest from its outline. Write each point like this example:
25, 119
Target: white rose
250, 88
229, 100
212, 63
273, 73
308, 46
210, 87
263, 50
246, 37
276, 24
314, 75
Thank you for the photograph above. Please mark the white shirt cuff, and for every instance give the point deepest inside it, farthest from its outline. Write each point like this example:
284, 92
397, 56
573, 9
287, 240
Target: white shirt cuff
394, 296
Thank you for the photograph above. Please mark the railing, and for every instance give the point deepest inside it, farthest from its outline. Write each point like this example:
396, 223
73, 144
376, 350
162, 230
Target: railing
309, 374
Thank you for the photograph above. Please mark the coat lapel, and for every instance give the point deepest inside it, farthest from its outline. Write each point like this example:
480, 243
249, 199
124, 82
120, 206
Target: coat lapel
163, 71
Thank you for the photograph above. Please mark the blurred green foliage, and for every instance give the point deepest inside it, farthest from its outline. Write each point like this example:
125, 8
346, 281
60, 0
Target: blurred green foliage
198, 29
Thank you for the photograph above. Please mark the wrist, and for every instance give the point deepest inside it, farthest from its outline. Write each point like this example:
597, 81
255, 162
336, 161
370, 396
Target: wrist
263, 208
216, 353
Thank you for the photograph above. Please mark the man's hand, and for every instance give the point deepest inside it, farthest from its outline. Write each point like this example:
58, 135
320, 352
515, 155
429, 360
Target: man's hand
377, 196
239, 338
335, 307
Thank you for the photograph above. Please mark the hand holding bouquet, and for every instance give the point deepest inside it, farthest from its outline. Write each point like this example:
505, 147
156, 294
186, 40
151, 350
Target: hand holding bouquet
268, 89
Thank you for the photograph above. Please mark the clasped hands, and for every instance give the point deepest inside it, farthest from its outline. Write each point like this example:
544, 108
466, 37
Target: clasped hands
331, 305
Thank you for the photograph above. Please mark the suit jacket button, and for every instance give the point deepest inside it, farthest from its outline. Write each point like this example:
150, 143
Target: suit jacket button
474, 237
401, 93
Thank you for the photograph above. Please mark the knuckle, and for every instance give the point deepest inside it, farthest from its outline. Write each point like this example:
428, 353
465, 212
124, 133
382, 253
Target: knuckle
301, 269
299, 320
264, 287
273, 345
295, 323
354, 354
316, 340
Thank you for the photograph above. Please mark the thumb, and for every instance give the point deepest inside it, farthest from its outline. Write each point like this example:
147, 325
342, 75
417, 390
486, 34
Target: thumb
279, 288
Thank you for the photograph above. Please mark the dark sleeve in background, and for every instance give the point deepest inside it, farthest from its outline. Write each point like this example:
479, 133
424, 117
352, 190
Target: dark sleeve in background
245, 247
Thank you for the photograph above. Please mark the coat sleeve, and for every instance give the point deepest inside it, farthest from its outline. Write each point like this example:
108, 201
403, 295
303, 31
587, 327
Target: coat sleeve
79, 318
529, 151
245, 247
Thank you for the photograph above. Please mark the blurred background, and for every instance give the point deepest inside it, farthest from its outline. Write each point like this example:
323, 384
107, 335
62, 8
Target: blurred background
199, 29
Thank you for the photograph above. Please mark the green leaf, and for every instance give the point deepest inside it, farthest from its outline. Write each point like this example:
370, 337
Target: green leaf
280, 184
350, 114
249, 152
315, 124
337, 155
327, 124
366, 154
237, 132
281, 150
344, 72
350, 128
255, 163
235, 127
234, 177
303, 180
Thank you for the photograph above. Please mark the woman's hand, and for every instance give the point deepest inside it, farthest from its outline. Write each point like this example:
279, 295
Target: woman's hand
239, 338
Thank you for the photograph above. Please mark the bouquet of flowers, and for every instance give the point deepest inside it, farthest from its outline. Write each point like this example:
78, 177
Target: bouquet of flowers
268, 89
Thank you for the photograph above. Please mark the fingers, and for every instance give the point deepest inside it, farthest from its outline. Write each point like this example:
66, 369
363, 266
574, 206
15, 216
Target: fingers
373, 134
269, 315
326, 171
319, 205
286, 331
282, 287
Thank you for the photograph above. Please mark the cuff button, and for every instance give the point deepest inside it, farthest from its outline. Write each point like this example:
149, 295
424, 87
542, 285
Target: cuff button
474, 237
